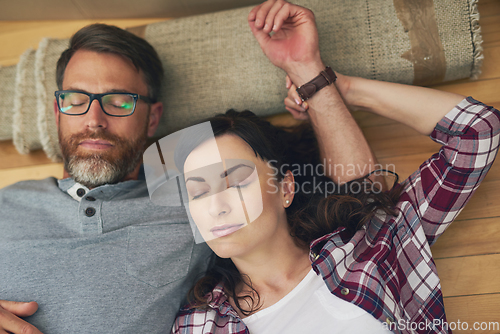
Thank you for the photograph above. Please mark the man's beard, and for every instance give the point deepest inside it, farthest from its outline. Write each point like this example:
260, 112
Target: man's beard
95, 169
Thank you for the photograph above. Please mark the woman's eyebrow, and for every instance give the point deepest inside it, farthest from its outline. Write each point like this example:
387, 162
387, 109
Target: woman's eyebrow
195, 178
232, 169
222, 175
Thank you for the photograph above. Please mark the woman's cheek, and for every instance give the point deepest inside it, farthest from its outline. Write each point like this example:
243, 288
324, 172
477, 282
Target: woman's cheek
199, 214
253, 201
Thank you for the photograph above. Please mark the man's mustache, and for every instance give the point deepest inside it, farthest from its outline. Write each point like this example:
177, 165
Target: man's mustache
95, 135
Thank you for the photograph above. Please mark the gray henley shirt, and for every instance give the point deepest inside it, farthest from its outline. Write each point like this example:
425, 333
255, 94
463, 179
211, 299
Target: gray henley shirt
104, 260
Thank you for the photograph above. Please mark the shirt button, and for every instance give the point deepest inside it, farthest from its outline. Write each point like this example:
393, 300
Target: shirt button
90, 198
344, 291
89, 212
389, 321
80, 192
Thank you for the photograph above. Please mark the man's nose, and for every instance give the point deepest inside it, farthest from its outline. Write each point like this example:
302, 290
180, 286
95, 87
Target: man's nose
95, 117
219, 205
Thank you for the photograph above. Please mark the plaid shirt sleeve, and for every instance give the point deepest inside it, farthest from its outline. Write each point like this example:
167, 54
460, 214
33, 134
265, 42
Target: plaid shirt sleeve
443, 184
387, 269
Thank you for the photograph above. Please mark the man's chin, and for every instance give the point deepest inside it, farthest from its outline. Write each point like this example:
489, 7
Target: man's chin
94, 172
96, 167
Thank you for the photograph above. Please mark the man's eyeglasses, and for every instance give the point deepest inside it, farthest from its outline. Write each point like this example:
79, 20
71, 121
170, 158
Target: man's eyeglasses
74, 103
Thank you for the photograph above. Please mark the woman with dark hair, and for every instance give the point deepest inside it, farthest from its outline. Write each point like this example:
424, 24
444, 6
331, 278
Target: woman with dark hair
369, 250
291, 259
291, 216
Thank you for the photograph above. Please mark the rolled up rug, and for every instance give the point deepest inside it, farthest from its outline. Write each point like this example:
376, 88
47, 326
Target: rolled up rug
212, 62
7, 82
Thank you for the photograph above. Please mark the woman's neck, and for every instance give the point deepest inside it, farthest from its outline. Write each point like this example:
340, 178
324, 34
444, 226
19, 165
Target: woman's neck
273, 270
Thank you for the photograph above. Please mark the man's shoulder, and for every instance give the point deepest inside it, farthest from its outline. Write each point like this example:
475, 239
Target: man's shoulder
30, 193
32, 185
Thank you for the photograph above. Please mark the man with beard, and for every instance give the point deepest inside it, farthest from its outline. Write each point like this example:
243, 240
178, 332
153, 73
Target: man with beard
91, 249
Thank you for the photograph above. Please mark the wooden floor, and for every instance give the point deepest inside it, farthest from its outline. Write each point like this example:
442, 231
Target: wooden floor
467, 255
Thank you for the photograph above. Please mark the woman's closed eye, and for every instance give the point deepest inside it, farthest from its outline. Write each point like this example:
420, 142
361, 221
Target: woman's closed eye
198, 195
197, 189
242, 177
242, 184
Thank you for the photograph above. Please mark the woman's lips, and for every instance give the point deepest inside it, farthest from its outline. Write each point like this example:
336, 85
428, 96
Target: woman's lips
96, 144
226, 229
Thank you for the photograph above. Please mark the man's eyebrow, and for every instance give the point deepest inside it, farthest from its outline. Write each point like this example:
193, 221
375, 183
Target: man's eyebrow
106, 92
232, 169
117, 91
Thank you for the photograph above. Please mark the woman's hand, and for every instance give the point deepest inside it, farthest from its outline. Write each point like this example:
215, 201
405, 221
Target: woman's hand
294, 104
298, 108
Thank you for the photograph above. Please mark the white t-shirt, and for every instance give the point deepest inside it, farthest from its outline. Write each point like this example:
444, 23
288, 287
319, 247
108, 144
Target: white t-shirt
311, 308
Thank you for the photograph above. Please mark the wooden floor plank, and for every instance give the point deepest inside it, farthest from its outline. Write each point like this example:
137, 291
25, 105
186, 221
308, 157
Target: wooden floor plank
394, 140
13, 175
367, 119
474, 309
405, 165
485, 91
484, 204
490, 27
5, 61
491, 63
469, 275
489, 8
469, 237
404, 146
390, 131
10, 157
21, 35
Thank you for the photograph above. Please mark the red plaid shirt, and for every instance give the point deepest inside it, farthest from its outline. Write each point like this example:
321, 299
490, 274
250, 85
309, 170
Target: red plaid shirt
387, 268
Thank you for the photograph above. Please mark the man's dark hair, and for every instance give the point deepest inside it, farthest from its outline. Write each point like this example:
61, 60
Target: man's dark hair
110, 39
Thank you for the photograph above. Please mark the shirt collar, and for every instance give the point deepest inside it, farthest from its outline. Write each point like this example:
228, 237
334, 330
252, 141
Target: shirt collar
77, 191
220, 302
335, 236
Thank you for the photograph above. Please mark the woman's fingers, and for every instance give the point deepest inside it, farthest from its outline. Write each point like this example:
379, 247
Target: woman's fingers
294, 97
294, 104
288, 82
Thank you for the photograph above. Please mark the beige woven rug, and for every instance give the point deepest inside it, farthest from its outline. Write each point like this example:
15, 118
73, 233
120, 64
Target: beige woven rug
7, 79
213, 63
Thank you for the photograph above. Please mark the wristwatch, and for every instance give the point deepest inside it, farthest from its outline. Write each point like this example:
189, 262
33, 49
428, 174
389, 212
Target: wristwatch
325, 78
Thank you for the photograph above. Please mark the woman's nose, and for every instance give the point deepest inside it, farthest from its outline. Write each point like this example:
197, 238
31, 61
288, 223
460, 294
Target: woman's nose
219, 205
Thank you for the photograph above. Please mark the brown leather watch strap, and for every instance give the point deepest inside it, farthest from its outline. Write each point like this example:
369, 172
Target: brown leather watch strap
325, 78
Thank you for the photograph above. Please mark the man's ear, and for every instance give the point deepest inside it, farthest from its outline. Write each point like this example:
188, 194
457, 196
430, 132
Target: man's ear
56, 113
154, 117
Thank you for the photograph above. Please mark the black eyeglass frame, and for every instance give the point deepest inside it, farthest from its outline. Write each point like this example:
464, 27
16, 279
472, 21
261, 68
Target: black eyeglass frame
99, 97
